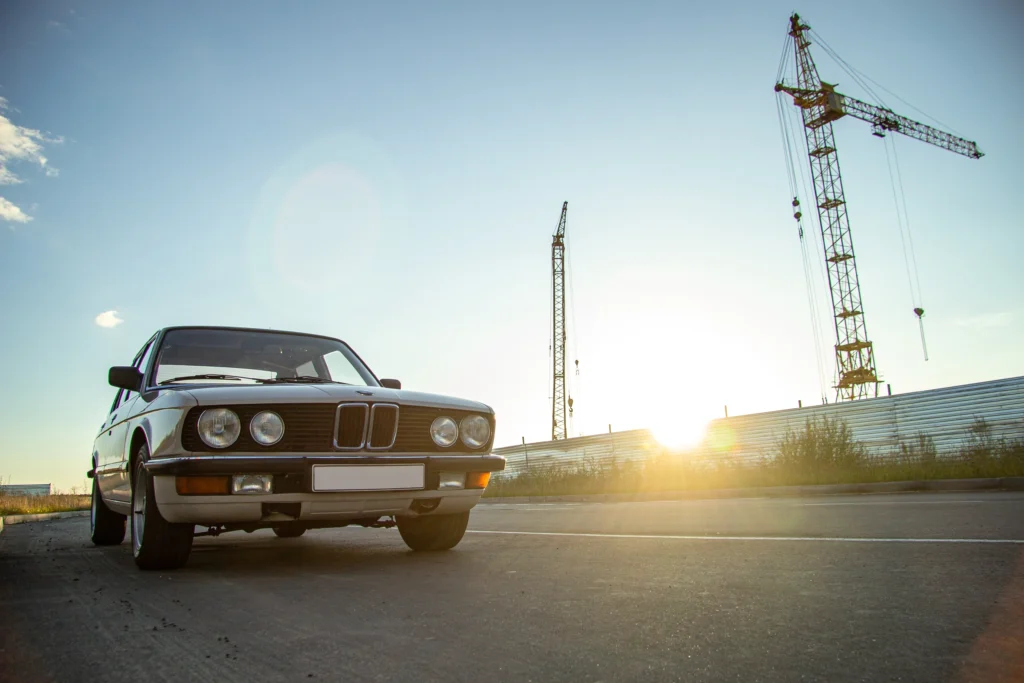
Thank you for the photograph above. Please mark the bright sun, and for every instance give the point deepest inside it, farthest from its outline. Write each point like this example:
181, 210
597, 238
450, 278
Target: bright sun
679, 433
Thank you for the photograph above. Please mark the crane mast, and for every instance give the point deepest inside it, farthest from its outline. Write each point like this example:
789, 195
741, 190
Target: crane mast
820, 105
855, 354
558, 430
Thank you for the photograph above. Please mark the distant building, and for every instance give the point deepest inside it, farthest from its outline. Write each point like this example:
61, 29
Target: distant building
25, 489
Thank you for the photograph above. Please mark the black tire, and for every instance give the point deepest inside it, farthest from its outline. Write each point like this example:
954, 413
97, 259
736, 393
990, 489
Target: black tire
433, 532
156, 543
289, 530
106, 526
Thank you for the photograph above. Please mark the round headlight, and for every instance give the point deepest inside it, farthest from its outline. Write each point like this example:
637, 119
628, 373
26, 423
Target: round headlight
266, 428
219, 427
475, 430
444, 431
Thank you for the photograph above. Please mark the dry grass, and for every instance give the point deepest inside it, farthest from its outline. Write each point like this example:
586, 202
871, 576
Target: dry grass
823, 453
33, 505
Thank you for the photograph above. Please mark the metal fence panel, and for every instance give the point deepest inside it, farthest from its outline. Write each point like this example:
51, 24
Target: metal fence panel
25, 489
881, 425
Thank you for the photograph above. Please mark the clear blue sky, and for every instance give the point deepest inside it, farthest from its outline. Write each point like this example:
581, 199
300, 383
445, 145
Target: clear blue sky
391, 174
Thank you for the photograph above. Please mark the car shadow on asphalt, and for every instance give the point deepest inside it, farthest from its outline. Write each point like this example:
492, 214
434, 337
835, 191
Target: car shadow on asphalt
323, 551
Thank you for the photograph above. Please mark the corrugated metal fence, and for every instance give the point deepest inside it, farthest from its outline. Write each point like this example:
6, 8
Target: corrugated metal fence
25, 489
882, 425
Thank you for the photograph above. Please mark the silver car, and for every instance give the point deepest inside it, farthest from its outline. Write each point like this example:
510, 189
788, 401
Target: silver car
243, 429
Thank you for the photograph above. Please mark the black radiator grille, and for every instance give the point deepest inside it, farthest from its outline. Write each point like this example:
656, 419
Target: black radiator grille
351, 425
309, 428
382, 430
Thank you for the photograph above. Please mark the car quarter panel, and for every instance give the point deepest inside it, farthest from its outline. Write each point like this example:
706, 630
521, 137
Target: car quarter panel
161, 422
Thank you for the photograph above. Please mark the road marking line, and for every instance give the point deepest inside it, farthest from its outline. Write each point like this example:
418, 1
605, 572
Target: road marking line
826, 539
898, 502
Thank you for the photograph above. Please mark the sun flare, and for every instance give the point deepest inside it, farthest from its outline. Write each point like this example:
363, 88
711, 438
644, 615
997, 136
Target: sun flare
679, 433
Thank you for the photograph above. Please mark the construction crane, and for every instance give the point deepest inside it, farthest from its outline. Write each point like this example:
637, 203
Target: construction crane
820, 105
558, 394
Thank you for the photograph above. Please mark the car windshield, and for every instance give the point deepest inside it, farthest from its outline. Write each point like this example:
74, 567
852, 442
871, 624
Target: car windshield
248, 357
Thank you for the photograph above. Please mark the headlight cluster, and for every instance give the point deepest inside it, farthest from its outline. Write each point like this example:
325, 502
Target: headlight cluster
475, 431
220, 427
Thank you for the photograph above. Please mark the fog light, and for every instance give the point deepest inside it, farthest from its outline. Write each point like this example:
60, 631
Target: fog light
202, 486
477, 480
252, 483
452, 480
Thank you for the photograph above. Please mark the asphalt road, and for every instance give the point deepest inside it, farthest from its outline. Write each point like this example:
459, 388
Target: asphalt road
913, 587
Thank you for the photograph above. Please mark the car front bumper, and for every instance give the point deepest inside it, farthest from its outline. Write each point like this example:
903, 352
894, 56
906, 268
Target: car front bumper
293, 498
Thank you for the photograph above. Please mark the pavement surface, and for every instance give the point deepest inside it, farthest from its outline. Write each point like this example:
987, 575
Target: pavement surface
911, 587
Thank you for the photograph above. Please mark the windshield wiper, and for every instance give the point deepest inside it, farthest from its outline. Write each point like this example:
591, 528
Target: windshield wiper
231, 377
304, 379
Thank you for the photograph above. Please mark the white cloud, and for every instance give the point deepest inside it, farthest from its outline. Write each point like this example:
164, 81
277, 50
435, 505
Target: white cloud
988, 320
108, 319
11, 213
8, 178
18, 144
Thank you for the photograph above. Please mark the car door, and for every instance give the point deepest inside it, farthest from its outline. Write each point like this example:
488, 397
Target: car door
121, 421
117, 436
104, 450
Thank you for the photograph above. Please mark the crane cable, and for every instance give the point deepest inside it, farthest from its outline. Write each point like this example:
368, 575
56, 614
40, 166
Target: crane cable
796, 127
896, 179
791, 132
906, 237
572, 317
812, 302
860, 77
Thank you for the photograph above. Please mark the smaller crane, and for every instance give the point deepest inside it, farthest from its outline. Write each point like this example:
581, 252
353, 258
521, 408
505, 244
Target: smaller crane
558, 397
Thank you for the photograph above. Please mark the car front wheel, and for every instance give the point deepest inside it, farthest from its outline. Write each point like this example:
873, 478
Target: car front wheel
433, 532
156, 543
107, 527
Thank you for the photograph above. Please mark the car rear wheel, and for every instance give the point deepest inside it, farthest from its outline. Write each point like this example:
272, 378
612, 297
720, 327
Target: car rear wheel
107, 527
289, 530
156, 543
433, 532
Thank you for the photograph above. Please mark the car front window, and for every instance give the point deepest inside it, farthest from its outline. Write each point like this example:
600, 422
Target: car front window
249, 357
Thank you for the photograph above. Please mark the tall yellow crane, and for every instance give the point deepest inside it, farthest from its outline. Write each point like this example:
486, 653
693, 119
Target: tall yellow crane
820, 105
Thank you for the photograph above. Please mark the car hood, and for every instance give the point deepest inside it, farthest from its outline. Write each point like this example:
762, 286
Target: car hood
221, 394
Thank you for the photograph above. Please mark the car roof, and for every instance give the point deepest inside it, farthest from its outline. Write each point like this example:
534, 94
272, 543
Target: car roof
248, 329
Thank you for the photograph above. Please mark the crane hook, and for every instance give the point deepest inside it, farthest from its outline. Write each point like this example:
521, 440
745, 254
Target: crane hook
919, 312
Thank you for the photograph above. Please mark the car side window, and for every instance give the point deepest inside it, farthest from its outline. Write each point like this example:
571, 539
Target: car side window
117, 400
142, 360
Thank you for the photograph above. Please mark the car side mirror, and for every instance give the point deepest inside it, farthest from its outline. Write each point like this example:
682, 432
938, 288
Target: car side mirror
391, 384
125, 377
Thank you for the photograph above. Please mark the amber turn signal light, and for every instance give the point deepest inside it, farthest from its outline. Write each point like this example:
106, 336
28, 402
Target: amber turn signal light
202, 486
477, 480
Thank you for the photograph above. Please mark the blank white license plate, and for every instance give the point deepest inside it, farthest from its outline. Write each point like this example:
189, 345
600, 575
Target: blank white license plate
368, 477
